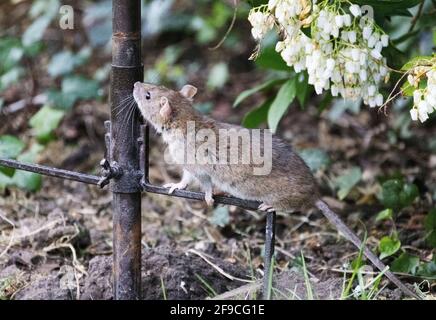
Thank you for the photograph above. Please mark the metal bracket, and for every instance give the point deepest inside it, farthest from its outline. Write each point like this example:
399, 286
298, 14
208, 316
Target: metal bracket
108, 172
125, 181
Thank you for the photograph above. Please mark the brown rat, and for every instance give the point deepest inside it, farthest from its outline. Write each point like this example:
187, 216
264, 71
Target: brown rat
288, 185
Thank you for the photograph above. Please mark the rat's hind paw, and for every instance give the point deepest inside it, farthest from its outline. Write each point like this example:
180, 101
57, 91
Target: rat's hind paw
266, 208
209, 199
174, 186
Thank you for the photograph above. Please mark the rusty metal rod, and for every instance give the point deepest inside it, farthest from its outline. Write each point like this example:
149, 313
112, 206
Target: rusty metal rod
125, 149
49, 171
245, 204
270, 232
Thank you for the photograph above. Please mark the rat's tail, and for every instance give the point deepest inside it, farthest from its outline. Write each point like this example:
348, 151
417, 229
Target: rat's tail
351, 236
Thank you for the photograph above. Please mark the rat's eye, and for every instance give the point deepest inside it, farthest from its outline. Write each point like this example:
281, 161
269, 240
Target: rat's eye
147, 95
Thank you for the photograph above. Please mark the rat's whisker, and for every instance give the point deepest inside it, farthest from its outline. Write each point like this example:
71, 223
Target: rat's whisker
128, 114
126, 110
130, 96
127, 106
127, 98
135, 112
124, 102
126, 118
121, 110
131, 121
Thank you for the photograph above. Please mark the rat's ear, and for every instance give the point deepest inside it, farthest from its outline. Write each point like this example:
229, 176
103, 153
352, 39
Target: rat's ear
188, 91
165, 109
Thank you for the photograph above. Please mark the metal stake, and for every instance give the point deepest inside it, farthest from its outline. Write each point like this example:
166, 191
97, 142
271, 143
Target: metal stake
124, 149
270, 232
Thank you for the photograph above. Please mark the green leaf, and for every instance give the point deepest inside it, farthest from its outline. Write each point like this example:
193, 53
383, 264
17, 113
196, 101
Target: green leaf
407, 89
257, 116
4, 181
205, 32
220, 14
302, 89
36, 30
264, 86
45, 121
384, 215
220, 217
388, 246
80, 87
434, 37
61, 63
417, 61
64, 62
396, 194
10, 147
409, 193
11, 53
405, 263
60, 100
49, 8
23, 179
281, 103
269, 58
428, 269
430, 227
325, 102
307, 31
390, 193
346, 182
10, 77
218, 76
315, 158
9, 172
73, 88
28, 180
430, 220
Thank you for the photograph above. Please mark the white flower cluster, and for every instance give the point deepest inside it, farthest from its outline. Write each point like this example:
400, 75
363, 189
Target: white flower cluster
261, 23
424, 100
343, 53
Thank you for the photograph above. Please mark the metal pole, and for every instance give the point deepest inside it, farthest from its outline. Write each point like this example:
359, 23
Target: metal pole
124, 150
270, 232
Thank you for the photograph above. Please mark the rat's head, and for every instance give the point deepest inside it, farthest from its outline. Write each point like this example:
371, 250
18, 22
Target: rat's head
162, 106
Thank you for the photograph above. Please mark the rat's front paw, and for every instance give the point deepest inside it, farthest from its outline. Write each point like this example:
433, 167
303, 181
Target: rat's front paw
174, 186
266, 208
